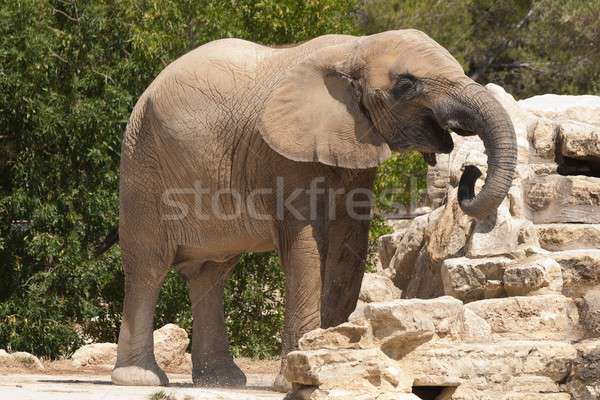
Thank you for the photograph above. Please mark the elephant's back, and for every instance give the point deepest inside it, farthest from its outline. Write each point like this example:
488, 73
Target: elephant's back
224, 63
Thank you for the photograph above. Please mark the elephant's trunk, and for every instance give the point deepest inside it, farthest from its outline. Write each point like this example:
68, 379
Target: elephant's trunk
474, 109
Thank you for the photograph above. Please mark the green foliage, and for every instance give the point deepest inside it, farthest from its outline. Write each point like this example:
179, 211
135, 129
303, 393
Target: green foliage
254, 306
400, 182
400, 185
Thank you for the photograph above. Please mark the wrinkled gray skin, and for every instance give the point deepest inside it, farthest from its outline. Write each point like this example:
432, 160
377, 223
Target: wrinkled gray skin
237, 115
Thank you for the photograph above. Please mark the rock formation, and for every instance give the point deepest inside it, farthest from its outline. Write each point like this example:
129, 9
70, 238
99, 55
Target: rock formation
170, 345
19, 360
507, 308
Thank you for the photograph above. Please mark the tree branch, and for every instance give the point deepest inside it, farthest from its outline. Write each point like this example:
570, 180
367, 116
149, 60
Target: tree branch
476, 74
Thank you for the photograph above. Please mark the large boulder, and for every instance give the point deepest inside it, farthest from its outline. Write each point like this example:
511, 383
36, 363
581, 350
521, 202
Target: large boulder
402, 264
563, 107
388, 245
471, 279
580, 270
376, 288
543, 140
562, 199
359, 370
546, 317
534, 275
20, 360
501, 235
97, 355
452, 364
344, 336
557, 237
590, 311
584, 381
441, 317
170, 344
580, 141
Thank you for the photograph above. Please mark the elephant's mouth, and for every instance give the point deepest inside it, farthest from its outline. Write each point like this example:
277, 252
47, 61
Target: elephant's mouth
443, 142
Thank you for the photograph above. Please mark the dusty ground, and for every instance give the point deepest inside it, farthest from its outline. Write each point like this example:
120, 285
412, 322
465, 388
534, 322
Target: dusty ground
59, 381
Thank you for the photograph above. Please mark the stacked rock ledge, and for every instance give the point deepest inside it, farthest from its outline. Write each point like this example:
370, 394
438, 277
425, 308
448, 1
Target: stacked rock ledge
502, 309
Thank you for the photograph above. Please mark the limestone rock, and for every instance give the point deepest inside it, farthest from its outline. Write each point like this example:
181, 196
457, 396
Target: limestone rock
546, 317
476, 328
542, 169
345, 394
580, 269
170, 344
503, 393
19, 360
543, 140
401, 343
556, 199
100, 355
561, 107
344, 336
517, 204
471, 279
387, 246
580, 141
556, 237
443, 317
500, 235
518, 387
584, 382
591, 312
536, 275
403, 261
376, 287
365, 369
485, 363
448, 230
463, 281
438, 182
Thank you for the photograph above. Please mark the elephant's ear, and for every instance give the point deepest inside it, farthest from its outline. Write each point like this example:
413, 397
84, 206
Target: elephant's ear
314, 115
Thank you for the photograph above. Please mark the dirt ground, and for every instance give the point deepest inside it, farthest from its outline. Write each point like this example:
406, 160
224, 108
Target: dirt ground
60, 381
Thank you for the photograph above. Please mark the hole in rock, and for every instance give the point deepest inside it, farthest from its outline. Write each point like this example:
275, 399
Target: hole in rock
433, 392
573, 166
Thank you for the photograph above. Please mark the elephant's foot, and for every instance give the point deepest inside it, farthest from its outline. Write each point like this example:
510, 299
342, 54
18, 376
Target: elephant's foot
218, 375
281, 384
139, 376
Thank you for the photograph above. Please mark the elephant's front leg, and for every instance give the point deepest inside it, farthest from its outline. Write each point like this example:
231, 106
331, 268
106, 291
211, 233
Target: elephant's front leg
212, 362
347, 249
302, 266
144, 274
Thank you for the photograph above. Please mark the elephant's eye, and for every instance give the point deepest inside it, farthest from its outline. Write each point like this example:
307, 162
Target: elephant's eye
405, 87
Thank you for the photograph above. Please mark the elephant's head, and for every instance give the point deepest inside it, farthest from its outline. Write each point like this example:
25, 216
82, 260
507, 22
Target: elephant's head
349, 104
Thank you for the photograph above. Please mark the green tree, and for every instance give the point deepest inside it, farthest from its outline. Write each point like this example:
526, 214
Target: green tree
528, 46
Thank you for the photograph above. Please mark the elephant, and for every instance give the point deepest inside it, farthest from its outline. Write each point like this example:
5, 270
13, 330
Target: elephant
231, 128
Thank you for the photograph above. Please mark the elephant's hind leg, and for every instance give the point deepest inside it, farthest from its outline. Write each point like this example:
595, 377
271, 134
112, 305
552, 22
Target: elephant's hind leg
145, 271
212, 363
